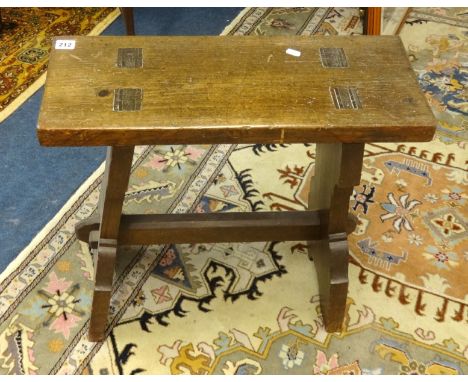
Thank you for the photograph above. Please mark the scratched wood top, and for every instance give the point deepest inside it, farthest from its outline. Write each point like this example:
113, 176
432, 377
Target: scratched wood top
231, 89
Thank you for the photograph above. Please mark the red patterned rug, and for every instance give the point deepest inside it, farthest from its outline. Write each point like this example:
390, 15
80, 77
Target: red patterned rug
25, 44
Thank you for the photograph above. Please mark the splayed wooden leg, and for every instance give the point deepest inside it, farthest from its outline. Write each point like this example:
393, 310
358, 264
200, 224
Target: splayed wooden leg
337, 170
114, 185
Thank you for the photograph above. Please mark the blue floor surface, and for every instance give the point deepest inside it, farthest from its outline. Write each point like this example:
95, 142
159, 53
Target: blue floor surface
37, 181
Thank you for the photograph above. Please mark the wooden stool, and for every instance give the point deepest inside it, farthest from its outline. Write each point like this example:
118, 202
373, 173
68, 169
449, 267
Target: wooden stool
339, 92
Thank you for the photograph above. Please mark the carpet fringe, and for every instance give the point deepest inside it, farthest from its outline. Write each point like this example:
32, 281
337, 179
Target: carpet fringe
233, 23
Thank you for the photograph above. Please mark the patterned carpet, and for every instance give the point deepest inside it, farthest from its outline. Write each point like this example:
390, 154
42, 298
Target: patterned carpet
25, 44
253, 308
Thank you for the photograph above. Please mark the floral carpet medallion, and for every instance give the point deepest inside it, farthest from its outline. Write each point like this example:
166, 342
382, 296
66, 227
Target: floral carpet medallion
253, 308
25, 43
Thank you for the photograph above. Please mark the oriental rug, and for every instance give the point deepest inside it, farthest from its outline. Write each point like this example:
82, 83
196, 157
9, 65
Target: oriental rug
25, 43
238, 308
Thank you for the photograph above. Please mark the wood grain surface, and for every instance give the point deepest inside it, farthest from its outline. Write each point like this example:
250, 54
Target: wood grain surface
211, 227
373, 21
232, 89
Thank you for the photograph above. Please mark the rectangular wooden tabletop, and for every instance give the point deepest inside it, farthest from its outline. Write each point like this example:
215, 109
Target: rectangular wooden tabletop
231, 89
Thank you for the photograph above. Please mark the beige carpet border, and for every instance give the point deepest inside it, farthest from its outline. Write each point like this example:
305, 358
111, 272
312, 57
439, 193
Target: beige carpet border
48, 227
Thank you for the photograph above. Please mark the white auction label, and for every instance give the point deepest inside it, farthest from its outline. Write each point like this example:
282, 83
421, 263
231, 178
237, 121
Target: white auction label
293, 52
65, 44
